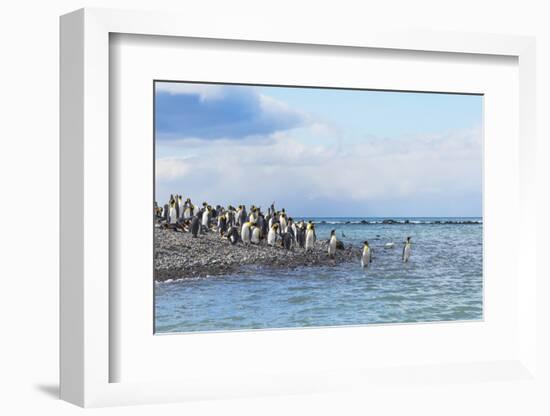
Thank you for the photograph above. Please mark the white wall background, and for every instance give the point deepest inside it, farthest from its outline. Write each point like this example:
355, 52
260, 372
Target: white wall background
29, 185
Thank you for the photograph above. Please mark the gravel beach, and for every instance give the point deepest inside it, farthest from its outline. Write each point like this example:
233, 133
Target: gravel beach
178, 255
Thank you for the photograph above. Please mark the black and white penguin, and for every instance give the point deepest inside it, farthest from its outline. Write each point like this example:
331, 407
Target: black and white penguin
332, 244
166, 212
246, 230
407, 250
366, 257
242, 215
206, 218
173, 216
283, 221
255, 235
187, 209
195, 226
300, 234
233, 235
310, 236
272, 235
286, 241
179, 206
222, 224
262, 225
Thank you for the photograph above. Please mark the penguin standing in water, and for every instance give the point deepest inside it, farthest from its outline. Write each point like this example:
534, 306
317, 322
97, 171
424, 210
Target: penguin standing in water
310, 236
255, 235
366, 257
407, 250
272, 235
332, 244
245, 233
195, 225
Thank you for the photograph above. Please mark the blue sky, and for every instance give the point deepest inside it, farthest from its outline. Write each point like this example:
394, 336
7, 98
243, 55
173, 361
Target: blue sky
320, 152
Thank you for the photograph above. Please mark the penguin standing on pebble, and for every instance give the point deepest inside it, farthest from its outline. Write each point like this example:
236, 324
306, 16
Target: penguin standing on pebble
173, 217
222, 224
245, 233
272, 235
179, 206
206, 218
310, 236
195, 225
283, 221
166, 212
286, 241
300, 235
187, 209
255, 235
233, 235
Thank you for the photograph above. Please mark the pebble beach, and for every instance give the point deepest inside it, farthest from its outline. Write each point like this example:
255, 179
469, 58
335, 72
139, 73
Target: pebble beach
178, 255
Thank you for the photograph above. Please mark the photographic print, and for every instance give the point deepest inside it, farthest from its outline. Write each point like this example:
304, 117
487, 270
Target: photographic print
295, 207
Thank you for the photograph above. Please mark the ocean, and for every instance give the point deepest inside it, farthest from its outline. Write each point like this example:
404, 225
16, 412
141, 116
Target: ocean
443, 281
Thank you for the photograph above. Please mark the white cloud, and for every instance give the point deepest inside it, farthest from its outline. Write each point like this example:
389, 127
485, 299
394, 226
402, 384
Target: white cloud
172, 168
287, 170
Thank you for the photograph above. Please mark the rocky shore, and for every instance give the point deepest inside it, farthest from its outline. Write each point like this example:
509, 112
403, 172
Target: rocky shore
179, 255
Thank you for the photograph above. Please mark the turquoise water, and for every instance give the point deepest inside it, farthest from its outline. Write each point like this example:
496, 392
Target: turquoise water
442, 282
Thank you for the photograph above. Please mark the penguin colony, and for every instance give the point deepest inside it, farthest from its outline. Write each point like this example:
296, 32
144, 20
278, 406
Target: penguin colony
237, 225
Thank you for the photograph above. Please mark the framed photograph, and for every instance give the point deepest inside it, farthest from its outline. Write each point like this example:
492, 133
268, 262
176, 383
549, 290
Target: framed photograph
266, 213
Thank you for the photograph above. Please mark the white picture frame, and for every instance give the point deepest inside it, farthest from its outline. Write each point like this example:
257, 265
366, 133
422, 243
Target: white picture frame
86, 305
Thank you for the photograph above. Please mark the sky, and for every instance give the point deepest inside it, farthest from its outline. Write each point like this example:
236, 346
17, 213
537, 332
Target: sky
320, 152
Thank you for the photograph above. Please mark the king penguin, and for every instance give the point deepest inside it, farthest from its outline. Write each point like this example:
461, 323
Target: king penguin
366, 258
407, 250
272, 235
255, 237
195, 224
310, 236
173, 213
332, 244
233, 235
245, 233
206, 218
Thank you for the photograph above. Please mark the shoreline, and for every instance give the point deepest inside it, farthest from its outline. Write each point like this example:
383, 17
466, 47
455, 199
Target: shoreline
178, 255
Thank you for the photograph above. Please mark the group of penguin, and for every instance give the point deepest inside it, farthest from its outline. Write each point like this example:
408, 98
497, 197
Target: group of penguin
236, 225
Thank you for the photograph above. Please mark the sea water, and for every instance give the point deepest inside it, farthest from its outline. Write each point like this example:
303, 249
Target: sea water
443, 281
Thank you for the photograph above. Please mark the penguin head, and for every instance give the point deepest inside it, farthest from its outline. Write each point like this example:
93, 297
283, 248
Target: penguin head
275, 226
366, 243
408, 239
332, 232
